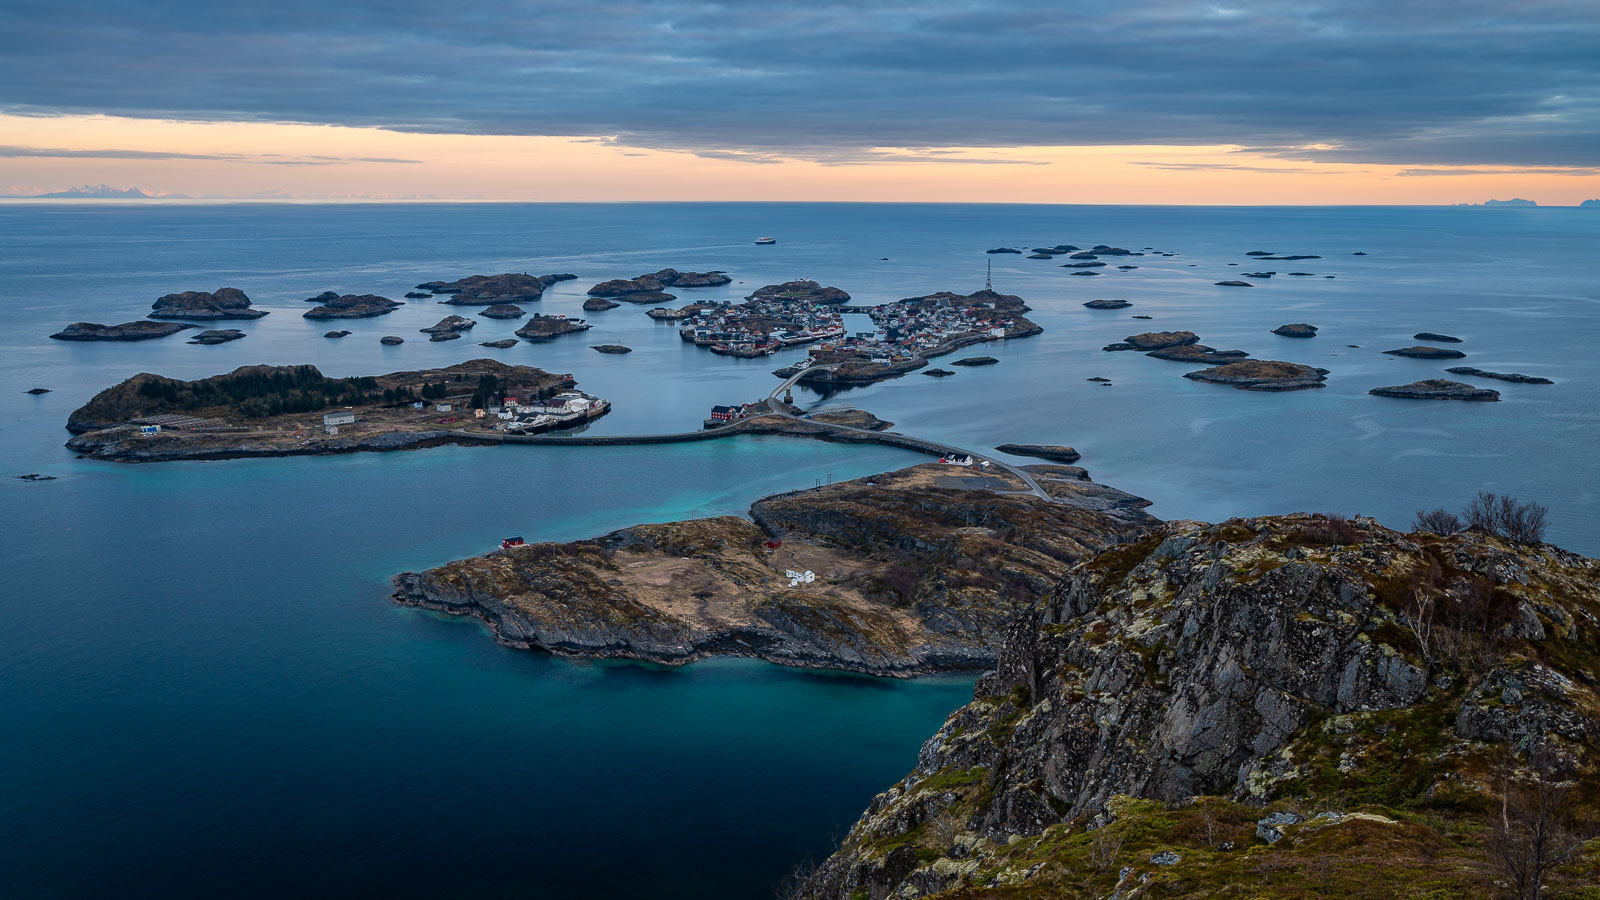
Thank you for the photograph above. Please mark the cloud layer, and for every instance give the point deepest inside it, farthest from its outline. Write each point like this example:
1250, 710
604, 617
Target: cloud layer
1422, 83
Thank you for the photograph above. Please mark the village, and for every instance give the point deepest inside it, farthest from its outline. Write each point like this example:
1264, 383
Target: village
906, 331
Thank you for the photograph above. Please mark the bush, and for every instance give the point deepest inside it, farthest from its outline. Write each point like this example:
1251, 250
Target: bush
1505, 516
1437, 521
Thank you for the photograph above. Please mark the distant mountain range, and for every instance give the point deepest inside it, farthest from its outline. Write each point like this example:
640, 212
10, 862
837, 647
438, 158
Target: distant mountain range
1515, 201
101, 192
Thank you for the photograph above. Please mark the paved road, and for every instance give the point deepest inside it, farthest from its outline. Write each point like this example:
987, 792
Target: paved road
932, 446
777, 408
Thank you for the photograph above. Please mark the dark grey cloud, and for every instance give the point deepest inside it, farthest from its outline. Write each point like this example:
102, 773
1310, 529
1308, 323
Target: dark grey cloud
1420, 83
1548, 170
13, 151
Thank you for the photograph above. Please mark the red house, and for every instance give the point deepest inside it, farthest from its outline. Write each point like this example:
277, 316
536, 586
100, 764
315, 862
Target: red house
508, 543
724, 413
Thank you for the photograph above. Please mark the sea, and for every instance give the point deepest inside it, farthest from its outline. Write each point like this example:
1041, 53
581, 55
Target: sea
205, 691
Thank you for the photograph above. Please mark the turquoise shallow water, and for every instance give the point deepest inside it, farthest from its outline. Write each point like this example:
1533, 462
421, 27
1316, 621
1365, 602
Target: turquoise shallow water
204, 689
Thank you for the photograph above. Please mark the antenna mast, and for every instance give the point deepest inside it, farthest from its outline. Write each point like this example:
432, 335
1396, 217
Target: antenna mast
988, 276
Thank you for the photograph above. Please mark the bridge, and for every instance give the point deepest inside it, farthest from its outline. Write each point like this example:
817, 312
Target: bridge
845, 433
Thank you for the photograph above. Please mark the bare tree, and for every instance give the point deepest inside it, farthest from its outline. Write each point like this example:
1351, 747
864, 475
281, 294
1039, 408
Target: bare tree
1523, 522
1104, 848
1419, 618
1437, 521
1533, 833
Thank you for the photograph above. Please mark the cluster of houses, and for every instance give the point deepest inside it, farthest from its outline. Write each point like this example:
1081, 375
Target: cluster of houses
761, 327
564, 410
923, 327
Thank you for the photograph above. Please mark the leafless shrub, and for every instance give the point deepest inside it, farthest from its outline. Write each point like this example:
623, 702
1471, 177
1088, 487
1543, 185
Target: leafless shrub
1104, 848
1523, 522
1437, 521
1419, 619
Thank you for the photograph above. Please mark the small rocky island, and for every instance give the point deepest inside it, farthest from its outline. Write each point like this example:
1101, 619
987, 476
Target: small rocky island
502, 311
484, 290
1420, 352
1502, 376
615, 349
1108, 304
142, 330
449, 324
902, 582
540, 327
976, 361
296, 410
1434, 338
1437, 389
1263, 375
1296, 330
801, 291
599, 304
223, 303
352, 306
648, 288
217, 336
1052, 452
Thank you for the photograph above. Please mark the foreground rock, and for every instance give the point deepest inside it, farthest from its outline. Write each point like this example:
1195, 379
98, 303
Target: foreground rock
484, 290
142, 330
804, 291
1296, 330
904, 583
1437, 389
1186, 713
1503, 376
224, 303
1052, 452
1263, 375
354, 306
217, 336
1426, 353
653, 282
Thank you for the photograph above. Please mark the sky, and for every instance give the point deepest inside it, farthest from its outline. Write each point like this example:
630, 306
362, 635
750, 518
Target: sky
1148, 101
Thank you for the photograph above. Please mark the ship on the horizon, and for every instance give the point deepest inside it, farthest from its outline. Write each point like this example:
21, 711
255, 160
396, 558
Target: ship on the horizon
766, 240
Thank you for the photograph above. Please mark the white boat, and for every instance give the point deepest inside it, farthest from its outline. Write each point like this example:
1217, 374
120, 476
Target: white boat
766, 240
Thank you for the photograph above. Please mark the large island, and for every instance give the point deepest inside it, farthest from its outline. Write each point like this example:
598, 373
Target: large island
905, 573
296, 410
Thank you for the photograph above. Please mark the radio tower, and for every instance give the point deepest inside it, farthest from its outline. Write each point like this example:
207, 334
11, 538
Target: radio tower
988, 276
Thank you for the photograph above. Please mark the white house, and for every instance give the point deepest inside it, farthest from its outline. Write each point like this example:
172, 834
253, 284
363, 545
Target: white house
338, 418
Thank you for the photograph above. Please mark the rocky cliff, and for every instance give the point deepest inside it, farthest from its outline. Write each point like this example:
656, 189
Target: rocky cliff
914, 571
1287, 706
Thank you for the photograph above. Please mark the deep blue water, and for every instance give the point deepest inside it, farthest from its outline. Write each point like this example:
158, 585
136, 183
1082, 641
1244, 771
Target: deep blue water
203, 687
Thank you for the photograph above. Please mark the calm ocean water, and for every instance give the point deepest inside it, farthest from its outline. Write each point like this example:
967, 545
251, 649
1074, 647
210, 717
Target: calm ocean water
204, 689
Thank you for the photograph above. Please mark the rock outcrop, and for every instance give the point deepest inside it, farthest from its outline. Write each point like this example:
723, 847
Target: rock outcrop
544, 328
1247, 705
224, 303
142, 330
1437, 389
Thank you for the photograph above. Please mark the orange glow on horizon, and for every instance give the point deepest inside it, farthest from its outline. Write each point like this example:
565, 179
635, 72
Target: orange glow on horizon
319, 161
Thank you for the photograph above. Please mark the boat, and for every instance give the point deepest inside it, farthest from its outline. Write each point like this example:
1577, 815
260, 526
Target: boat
766, 240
